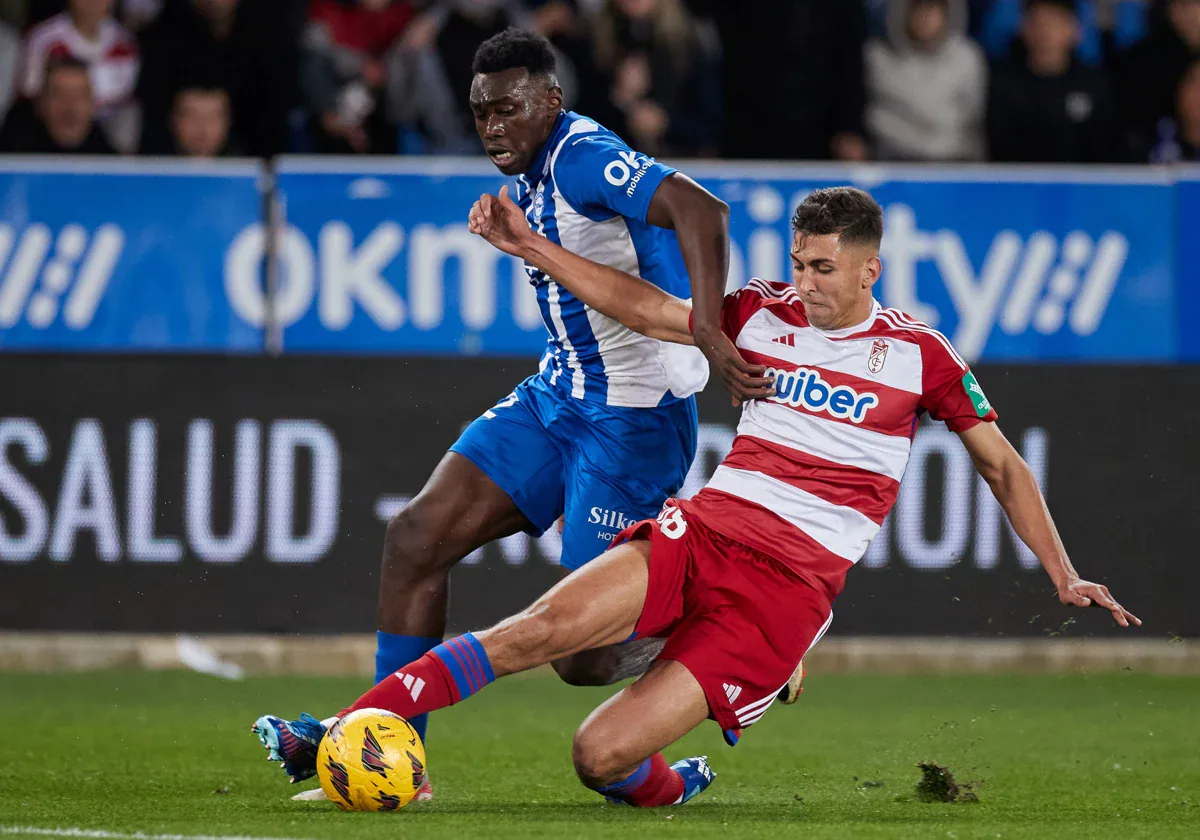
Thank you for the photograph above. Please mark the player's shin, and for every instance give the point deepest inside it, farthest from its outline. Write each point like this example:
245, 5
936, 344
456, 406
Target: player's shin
448, 674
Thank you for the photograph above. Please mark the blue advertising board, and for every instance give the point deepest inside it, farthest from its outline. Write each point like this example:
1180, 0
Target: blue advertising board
1013, 265
123, 255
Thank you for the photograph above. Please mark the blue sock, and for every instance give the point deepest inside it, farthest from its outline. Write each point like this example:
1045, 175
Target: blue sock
393, 652
468, 664
618, 790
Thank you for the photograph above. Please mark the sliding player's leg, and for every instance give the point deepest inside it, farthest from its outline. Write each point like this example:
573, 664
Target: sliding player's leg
618, 749
599, 605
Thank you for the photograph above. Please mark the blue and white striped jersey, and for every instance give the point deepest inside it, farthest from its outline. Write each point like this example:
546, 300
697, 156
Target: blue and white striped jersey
589, 192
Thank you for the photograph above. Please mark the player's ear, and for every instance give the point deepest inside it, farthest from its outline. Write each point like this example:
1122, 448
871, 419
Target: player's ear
554, 98
872, 268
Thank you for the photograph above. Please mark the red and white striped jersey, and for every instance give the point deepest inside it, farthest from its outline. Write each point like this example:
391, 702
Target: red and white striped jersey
112, 59
816, 468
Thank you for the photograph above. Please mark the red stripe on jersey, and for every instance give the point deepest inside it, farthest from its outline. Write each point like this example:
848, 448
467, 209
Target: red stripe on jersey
869, 493
121, 49
893, 414
762, 530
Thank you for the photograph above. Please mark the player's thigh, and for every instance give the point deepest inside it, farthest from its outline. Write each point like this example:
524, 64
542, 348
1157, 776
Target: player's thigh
459, 509
510, 445
598, 605
654, 712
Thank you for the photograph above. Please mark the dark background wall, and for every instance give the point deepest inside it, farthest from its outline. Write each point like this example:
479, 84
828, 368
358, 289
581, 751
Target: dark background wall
215, 494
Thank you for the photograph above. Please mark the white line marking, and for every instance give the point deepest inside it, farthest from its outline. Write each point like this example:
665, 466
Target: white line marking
118, 835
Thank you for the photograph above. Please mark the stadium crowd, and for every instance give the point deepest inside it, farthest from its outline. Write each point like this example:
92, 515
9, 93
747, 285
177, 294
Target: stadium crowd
894, 80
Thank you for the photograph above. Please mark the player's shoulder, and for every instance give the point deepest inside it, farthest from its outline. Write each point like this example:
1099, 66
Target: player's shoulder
51, 31
768, 292
936, 348
581, 138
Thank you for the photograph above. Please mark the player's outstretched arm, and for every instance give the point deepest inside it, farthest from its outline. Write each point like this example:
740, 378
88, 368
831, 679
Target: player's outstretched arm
639, 305
1014, 486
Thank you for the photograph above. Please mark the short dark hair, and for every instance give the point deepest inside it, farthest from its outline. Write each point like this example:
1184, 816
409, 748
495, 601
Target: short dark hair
851, 213
515, 48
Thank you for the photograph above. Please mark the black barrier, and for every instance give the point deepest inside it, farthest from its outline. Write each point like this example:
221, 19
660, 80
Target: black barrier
232, 495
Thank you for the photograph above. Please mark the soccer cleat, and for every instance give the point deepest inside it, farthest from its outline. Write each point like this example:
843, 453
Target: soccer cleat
790, 693
697, 776
292, 743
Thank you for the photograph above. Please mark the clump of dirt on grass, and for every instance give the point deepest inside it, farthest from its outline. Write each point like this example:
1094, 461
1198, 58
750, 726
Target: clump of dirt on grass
937, 785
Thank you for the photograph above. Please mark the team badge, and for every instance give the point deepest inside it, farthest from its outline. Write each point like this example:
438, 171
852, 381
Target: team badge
878, 355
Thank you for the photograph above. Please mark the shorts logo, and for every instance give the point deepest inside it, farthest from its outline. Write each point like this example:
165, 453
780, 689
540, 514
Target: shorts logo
731, 692
805, 387
878, 356
670, 522
609, 518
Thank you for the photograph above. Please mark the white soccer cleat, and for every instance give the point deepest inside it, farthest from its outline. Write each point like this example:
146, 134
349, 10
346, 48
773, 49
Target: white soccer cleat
314, 795
424, 794
790, 693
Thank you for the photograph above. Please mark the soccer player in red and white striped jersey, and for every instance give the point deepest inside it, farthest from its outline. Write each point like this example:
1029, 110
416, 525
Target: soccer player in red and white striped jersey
740, 579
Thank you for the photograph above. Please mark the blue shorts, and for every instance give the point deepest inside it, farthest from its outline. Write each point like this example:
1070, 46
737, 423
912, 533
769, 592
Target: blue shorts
600, 467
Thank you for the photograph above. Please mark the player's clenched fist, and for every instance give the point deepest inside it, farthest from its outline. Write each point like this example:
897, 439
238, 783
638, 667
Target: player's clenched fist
500, 221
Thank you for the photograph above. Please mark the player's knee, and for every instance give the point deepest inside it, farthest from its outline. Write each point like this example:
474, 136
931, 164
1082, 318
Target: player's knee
411, 549
597, 760
590, 668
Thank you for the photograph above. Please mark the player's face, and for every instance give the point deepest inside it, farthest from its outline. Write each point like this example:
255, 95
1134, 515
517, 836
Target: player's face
834, 280
514, 113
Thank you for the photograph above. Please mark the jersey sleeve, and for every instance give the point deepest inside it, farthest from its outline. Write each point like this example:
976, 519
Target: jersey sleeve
601, 177
950, 391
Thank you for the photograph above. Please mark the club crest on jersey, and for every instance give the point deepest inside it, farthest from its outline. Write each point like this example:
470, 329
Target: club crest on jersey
878, 355
805, 387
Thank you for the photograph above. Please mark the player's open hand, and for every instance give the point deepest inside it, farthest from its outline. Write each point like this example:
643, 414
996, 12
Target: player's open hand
744, 380
1083, 593
501, 222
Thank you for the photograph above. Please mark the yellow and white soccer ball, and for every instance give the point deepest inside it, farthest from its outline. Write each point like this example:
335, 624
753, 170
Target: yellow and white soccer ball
371, 760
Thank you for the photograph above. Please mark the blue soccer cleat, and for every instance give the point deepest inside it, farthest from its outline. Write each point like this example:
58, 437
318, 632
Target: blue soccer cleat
292, 743
697, 776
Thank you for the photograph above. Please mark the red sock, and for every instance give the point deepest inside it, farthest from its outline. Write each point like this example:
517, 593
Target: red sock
451, 672
654, 783
420, 687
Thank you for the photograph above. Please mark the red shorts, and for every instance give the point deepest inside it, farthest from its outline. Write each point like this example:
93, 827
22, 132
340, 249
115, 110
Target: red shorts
738, 619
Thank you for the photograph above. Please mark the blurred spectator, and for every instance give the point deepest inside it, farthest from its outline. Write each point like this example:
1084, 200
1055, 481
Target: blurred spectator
435, 82
346, 56
1045, 105
793, 86
662, 77
200, 122
1180, 137
87, 32
1148, 76
252, 48
926, 84
64, 116
10, 43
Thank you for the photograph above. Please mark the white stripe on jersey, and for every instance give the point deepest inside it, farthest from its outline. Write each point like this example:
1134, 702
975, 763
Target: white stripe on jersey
842, 530
572, 360
768, 291
840, 443
901, 370
898, 320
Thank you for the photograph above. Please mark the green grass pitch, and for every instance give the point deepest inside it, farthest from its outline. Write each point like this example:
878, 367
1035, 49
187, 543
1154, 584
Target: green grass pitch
1049, 757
